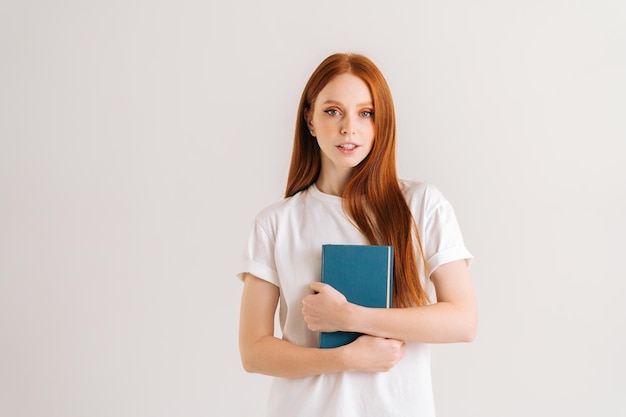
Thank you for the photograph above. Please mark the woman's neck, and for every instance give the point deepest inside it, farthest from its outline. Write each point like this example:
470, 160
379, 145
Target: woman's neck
333, 184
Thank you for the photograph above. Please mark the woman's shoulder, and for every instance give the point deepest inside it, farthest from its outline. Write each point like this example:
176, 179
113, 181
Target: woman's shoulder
421, 192
282, 207
426, 202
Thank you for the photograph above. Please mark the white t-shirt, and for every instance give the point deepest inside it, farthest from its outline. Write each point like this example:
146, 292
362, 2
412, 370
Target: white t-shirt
285, 248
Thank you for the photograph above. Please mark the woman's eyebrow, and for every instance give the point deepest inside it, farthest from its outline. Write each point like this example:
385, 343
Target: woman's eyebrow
338, 103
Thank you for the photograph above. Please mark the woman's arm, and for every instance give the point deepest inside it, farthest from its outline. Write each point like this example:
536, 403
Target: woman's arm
263, 353
453, 318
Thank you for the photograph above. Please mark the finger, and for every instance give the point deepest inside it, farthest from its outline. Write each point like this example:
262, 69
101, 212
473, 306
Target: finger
318, 286
397, 342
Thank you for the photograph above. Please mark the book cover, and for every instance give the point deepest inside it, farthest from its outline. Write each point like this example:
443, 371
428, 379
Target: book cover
363, 274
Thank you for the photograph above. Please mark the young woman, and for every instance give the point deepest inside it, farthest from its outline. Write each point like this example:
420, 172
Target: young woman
343, 189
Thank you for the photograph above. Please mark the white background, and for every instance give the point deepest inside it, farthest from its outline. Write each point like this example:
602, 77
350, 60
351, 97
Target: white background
139, 139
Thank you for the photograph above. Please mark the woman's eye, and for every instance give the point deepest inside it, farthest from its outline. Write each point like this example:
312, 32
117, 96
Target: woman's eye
367, 113
331, 112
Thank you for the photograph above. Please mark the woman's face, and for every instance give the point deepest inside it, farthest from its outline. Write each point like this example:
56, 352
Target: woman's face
342, 121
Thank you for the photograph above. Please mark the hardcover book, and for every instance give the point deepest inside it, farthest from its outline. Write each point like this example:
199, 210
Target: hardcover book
363, 274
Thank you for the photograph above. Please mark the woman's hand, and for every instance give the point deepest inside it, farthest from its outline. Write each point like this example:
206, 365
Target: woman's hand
373, 354
326, 310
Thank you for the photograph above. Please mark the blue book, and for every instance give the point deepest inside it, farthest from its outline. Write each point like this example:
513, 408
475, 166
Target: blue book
363, 274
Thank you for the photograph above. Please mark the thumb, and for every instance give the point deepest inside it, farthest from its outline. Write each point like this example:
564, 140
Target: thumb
318, 286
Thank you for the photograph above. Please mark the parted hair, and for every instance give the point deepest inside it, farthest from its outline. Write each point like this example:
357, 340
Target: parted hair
372, 198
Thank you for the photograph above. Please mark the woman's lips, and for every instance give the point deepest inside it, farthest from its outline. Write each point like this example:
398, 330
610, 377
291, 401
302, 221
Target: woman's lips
347, 147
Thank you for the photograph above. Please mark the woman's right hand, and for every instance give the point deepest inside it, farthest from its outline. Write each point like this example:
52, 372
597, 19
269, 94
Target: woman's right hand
373, 354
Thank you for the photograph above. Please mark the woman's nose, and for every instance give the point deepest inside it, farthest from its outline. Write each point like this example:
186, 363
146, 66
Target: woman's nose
348, 126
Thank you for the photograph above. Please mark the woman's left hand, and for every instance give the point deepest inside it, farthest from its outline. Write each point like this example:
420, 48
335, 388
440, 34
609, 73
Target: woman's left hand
325, 310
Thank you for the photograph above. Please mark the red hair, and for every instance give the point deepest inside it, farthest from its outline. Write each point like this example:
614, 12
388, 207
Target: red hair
372, 197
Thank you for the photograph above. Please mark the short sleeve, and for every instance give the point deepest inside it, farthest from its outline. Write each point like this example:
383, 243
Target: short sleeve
442, 237
258, 255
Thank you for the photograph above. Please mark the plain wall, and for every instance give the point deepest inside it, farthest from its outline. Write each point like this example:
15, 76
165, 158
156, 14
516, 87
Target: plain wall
139, 139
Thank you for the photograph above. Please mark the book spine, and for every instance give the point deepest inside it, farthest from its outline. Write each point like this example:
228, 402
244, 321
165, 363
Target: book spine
389, 274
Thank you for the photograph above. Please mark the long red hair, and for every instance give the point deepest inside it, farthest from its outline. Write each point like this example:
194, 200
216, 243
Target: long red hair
372, 197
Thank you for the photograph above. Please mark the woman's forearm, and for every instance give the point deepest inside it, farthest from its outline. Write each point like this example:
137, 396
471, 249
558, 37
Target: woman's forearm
453, 318
272, 356
436, 323
269, 355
